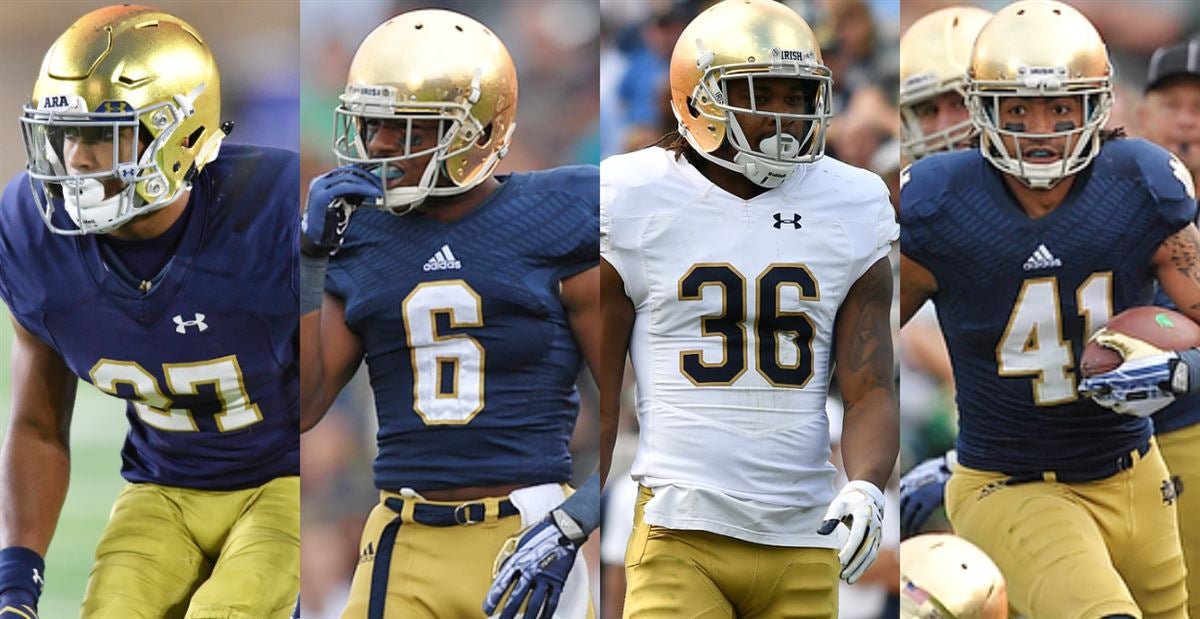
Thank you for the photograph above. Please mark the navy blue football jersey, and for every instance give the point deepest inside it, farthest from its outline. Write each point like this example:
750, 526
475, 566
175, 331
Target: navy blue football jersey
1018, 297
471, 358
206, 357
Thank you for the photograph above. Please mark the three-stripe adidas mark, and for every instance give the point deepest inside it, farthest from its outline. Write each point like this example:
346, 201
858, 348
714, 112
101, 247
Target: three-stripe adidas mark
1042, 259
443, 260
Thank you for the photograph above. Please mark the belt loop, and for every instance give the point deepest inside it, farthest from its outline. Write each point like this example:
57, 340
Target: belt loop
406, 511
491, 509
1049, 477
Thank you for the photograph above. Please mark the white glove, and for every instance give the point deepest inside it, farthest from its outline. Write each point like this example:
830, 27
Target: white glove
860, 503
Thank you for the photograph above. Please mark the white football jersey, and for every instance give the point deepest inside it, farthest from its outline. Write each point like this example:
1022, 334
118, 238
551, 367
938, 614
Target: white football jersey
735, 307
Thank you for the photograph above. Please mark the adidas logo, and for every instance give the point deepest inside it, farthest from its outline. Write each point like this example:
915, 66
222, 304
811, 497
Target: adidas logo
443, 260
368, 554
1042, 259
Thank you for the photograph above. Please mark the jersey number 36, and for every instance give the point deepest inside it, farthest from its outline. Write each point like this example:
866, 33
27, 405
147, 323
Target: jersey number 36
771, 325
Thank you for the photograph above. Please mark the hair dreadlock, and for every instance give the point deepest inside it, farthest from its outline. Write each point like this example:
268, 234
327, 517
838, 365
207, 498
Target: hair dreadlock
675, 142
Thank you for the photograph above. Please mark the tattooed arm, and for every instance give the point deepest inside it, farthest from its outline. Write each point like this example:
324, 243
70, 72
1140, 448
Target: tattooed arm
1177, 267
865, 376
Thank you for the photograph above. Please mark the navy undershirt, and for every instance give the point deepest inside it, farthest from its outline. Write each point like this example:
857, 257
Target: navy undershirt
144, 259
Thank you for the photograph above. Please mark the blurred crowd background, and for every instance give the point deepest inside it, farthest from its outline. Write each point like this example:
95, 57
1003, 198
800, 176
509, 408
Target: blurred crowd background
1132, 32
860, 44
256, 45
555, 45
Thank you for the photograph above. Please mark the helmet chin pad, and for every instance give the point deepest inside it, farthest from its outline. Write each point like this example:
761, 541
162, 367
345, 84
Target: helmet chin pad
765, 170
87, 207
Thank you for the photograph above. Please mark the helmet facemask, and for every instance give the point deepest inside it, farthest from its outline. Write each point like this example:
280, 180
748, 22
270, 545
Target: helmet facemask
46, 130
985, 100
914, 141
458, 132
798, 136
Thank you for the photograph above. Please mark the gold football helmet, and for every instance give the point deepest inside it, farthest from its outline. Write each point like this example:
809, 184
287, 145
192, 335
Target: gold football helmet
429, 65
934, 54
749, 40
137, 77
946, 577
1039, 48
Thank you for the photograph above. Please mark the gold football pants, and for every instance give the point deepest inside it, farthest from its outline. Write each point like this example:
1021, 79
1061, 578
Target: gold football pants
1080, 550
1181, 451
700, 575
434, 572
173, 552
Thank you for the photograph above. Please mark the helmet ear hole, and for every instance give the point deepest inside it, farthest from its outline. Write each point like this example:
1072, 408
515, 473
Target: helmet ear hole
485, 136
194, 139
691, 108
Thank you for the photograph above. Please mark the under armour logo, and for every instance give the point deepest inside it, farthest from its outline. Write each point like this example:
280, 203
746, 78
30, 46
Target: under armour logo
779, 221
112, 107
181, 325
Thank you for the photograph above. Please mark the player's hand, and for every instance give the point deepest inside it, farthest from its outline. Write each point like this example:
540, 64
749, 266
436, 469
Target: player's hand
1140, 387
860, 506
922, 490
534, 566
1146, 382
332, 198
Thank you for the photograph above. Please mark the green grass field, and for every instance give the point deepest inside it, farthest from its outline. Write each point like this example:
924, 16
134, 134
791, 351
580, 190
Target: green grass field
96, 436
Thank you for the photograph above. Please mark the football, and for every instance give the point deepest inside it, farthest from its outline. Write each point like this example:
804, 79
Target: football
1159, 326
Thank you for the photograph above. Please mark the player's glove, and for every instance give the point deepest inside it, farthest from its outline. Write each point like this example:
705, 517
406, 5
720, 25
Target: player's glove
332, 198
535, 567
860, 506
1148, 379
21, 571
922, 491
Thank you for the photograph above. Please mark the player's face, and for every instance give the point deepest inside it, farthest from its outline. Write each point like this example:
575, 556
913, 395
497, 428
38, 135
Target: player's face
941, 112
1170, 117
773, 94
90, 149
392, 138
1040, 115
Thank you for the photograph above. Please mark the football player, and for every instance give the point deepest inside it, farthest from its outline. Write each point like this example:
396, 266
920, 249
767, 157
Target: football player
728, 259
934, 53
473, 299
141, 253
1028, 245
1169, 115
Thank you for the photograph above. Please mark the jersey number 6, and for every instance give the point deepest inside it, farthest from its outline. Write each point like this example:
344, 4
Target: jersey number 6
447, 367
772, 325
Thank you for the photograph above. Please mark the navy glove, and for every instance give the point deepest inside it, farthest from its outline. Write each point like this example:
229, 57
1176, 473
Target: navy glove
21, 573
922, 491
535, 567
332, 198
